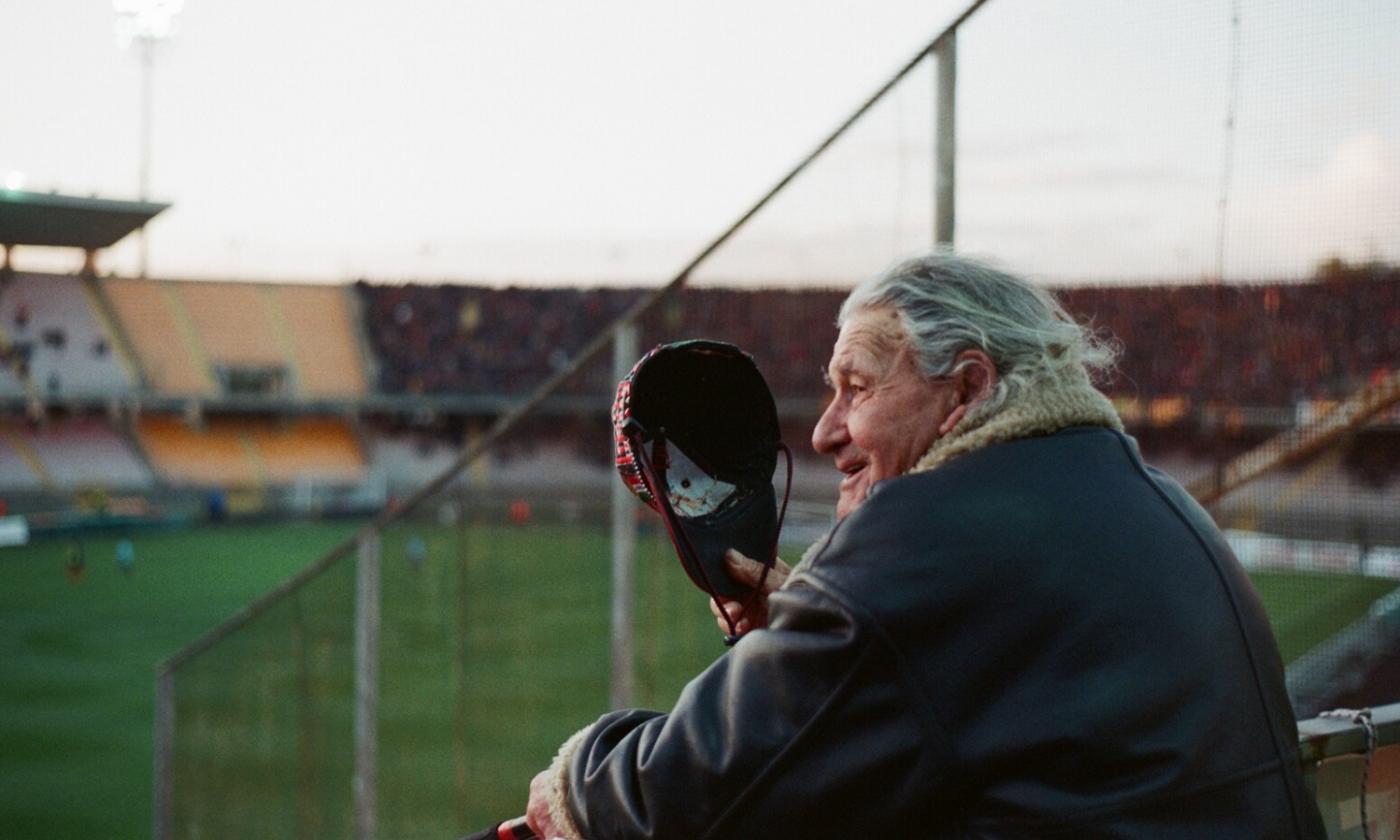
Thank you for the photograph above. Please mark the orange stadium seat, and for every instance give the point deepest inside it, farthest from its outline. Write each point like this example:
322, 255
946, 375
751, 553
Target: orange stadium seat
236, 322
239, 452
322, 333
218, 454
184, 331
161, 335
309, 449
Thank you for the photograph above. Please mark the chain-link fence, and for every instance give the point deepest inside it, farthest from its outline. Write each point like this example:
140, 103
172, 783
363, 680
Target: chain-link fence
411, 682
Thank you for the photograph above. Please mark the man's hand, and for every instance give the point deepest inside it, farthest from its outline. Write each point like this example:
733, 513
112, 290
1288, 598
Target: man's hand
748, 572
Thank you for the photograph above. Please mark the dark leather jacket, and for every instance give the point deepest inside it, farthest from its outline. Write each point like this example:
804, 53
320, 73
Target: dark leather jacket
1042, 638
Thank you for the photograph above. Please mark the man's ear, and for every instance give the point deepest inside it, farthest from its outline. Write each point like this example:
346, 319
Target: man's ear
974, 378
977, 376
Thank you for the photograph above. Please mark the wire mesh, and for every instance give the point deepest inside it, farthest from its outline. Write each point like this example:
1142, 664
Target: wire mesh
263, 725
1254, 190
494, 640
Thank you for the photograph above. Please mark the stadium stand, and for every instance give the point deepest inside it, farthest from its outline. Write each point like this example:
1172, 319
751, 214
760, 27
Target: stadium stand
53, 338
307, 449
1207, 371
1229, 352
217, 455
244, 452
1275, 344
20, 467
1262, 345
162, 335
79, 452
242, 338
322, 330
551, 451
460, 339
234, 322
456, 339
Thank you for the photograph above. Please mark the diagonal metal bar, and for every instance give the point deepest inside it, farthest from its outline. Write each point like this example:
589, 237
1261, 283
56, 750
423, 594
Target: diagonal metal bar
1350, 414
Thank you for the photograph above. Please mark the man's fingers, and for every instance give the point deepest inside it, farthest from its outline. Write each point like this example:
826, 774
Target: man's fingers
743, 569
736, 613
741, 626
749, 572
732, 607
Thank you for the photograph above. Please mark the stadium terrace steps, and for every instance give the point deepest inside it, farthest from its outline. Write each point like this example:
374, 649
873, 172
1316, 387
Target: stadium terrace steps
324, 344
214, 455
324, 450
233, 322
85, 452
119, 341
307, 331
250, 453
20, 466
168, 352
12, 384
70, 352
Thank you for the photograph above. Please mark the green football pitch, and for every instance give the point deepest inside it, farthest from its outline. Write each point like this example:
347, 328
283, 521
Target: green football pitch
495, 648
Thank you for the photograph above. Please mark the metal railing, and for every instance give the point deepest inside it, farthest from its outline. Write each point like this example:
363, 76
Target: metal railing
1351, 762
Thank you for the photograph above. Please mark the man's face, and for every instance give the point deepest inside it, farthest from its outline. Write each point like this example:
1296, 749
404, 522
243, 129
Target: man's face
884, 414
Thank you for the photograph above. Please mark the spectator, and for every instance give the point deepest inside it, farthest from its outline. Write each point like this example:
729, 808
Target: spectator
1016, 629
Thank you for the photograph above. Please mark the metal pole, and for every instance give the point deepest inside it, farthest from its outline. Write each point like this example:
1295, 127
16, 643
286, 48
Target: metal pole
366, 684
148, 49
945, 51
308, 762
161, 801
460, 564
624, 546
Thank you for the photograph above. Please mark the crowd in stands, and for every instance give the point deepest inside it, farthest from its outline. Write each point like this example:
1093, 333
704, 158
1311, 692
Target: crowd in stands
1265, 345
469, 340
1260, 345
1257, 345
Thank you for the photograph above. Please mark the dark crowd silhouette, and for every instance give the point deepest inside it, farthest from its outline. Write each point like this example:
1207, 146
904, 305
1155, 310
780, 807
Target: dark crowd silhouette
1272, 344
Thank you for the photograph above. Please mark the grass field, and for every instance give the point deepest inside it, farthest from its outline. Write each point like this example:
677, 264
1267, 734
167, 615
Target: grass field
76, 663
495, 648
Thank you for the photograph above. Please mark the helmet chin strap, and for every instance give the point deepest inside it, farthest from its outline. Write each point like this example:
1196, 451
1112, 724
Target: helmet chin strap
653, 469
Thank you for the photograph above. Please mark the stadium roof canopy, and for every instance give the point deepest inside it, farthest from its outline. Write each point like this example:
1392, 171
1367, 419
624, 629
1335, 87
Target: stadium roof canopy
67, 221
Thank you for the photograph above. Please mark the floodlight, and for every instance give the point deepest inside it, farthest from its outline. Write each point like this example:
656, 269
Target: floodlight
145, 20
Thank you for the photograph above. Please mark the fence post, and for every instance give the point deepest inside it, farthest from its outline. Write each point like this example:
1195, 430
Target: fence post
624, 546
458, 566
945, 61
309, 813
161, 802
366, 684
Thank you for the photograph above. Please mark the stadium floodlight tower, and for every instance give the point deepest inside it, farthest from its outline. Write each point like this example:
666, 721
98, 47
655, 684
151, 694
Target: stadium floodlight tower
145, 23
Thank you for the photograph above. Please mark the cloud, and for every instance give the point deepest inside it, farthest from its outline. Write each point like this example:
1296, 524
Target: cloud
1348, 205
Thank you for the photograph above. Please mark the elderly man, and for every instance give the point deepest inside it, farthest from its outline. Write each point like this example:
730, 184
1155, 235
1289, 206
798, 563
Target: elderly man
1015, 629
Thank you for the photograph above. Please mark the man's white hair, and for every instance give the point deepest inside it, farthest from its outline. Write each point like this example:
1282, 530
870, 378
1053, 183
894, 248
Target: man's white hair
948, 304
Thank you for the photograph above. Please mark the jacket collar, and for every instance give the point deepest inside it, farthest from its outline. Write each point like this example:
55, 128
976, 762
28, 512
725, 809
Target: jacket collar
1040, 408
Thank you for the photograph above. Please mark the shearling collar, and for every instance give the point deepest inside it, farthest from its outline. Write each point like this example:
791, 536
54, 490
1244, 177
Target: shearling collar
1041, 409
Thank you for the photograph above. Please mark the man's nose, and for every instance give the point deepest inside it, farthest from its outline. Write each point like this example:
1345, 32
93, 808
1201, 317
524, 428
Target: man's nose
830, 432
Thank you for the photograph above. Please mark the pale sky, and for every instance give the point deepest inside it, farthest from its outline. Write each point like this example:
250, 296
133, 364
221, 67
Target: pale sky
530, 141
